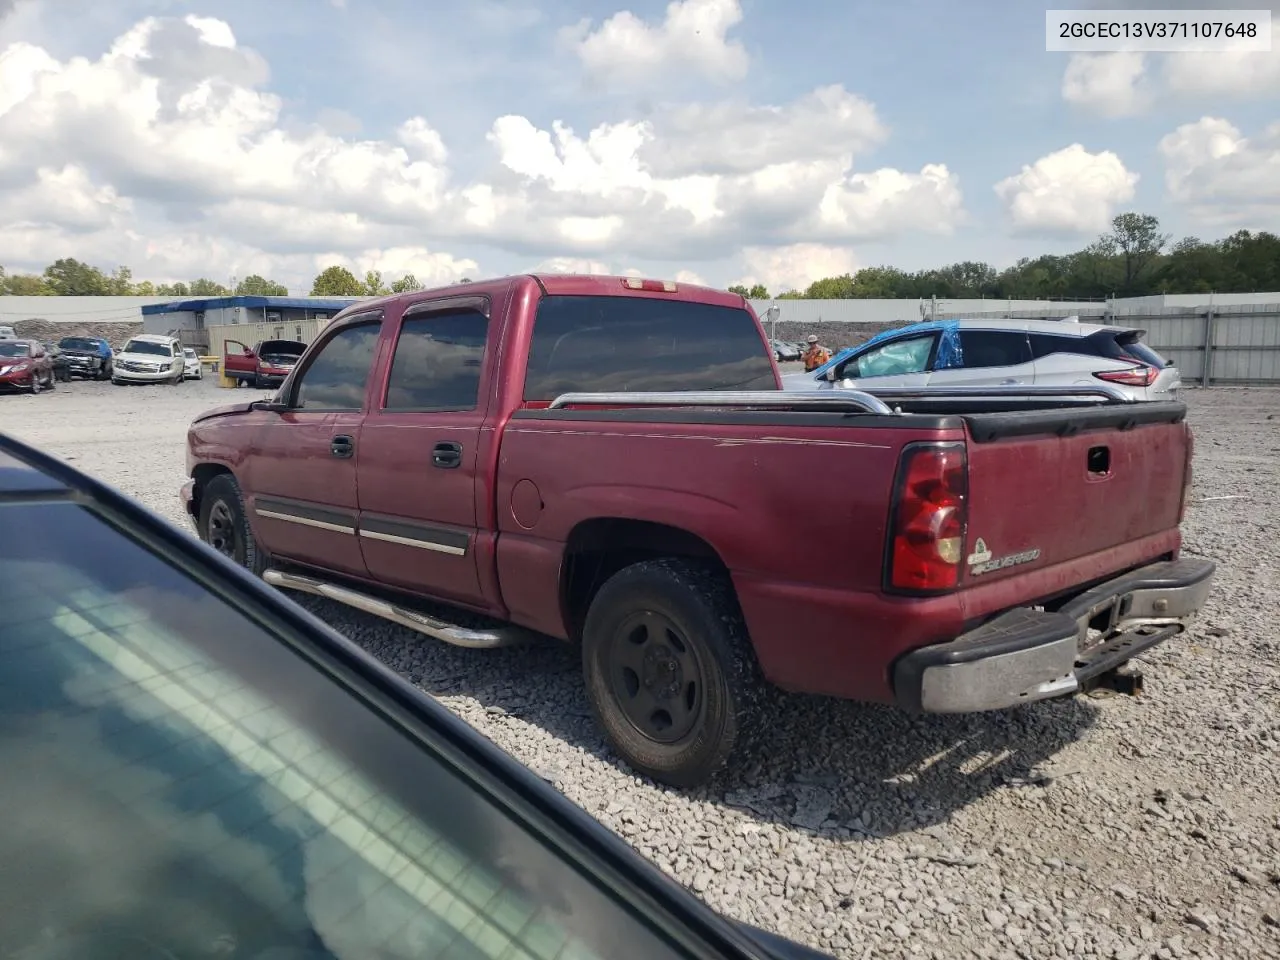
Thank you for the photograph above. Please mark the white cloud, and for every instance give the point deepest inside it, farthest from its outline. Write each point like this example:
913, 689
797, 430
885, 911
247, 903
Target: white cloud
1069, 191
796, 266
1111, 84
572, 265
1221, 174
176, 158
1127, 84
693, 37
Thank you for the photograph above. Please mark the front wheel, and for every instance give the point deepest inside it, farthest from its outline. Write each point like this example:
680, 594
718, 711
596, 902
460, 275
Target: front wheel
224, 526
670, 672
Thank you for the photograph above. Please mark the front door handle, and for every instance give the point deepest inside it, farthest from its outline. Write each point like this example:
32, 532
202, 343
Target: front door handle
446, 455
1010, 382
342, 447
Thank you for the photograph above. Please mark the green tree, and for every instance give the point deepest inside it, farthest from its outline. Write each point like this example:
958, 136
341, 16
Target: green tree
256, 286
26, 285
406, 284
1137, 239
337, 281
204, 287
173, 290
145, 288
373, 285
121, 282
757, 291
68, 277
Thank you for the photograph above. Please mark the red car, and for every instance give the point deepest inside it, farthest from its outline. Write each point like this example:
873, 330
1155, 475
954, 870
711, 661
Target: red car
25, 365
512, 448
265, 364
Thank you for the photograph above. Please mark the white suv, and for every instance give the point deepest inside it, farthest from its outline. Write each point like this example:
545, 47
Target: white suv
149, 358
980, 353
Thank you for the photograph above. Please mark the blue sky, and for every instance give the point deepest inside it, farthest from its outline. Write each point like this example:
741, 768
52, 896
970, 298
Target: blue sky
967, 86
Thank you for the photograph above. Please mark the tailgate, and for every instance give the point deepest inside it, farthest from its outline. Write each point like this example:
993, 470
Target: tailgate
1047, 487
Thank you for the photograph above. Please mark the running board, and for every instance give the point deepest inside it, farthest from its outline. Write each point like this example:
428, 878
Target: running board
473, 639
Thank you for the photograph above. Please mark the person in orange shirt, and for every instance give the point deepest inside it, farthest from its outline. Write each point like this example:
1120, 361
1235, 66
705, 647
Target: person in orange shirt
816, 355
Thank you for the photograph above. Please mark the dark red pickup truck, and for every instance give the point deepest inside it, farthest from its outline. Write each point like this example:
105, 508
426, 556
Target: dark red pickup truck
509, 449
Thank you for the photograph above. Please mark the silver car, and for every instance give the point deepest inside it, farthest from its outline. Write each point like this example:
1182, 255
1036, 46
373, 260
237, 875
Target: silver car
980, 353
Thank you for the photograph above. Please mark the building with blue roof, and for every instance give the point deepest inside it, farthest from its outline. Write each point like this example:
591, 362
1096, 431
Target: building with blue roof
192, 317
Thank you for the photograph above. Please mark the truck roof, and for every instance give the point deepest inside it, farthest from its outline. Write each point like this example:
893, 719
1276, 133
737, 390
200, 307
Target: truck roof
559, 284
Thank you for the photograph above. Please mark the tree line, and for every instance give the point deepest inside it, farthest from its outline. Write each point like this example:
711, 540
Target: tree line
1133, 259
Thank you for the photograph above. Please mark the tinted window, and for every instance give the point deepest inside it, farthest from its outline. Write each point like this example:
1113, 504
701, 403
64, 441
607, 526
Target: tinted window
894, 359
180, 782
437, 362
335, 378
1046, 344
993, 348
629, 344
77, 343
15, 350
1127, 347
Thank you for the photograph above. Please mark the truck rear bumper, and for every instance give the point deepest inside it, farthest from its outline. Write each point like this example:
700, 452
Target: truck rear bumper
1026, 654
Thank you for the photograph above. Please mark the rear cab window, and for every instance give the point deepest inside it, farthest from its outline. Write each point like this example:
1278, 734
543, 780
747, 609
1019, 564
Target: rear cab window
438, 359
596, 344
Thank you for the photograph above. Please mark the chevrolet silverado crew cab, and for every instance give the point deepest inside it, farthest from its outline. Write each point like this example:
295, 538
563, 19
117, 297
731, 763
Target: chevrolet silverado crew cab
612, 462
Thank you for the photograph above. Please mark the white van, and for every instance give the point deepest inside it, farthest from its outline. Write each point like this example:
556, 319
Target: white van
149, 358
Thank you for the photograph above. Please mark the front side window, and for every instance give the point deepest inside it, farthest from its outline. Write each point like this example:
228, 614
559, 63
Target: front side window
993, 348
335, 378
180, 781
437, 362
895, 359
638, 344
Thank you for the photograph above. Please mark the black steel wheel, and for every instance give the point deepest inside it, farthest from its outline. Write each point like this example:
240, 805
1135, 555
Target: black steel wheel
669, 670
224, 526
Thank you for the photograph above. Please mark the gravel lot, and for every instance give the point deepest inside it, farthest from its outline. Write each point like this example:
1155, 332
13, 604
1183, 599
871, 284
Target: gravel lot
1109, 827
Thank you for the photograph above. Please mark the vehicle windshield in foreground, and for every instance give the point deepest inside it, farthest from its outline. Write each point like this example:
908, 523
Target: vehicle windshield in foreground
193, 767
11, 349
77, 343
146, 346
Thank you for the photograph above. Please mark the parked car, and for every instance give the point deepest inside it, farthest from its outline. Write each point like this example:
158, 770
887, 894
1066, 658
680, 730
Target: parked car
517, 456
192, 368
784, 350
263, 365
7, 333
88, 357
25, 365
150, 358
195, 766
950, 353
61, 363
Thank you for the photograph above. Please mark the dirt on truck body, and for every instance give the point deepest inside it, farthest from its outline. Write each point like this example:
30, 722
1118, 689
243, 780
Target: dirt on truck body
611, 462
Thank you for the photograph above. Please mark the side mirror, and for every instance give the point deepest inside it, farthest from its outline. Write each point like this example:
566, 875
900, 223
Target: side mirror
271, 406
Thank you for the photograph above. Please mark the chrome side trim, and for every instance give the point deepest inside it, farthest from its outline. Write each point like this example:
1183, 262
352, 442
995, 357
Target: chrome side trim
458, 636
410, 542
843, 400
305, 521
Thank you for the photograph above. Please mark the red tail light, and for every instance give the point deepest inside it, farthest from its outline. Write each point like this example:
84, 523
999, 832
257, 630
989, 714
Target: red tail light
930, 513
1137, 376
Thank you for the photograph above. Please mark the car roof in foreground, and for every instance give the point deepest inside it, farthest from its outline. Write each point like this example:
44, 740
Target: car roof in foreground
30, 476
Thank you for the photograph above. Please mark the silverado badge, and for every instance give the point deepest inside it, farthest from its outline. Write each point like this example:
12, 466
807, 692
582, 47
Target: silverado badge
981, 560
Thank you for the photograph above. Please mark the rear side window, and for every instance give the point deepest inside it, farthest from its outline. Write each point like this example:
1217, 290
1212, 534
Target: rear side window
437, 362
635, 344
993, 348
1047, 344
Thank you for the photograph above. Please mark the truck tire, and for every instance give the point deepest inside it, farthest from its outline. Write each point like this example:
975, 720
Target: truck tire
670, 672
225, 527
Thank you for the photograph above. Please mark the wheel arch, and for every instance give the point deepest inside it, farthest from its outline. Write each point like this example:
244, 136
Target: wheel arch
201, 475
599, 547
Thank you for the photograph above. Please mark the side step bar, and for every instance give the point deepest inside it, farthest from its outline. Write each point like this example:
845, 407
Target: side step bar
471, 638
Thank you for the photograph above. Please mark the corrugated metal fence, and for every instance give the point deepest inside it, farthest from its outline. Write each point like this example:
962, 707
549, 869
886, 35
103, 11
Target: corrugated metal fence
251, 333
1232, 345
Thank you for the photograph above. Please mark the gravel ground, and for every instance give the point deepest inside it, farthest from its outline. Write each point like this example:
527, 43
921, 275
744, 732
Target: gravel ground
1109, 826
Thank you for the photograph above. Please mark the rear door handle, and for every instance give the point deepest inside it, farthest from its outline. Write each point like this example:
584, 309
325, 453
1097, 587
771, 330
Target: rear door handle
342, 447
446, 455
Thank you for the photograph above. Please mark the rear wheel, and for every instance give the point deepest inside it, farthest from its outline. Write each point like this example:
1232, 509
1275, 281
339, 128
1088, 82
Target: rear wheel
225, 527
670, 672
